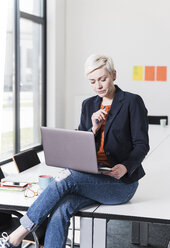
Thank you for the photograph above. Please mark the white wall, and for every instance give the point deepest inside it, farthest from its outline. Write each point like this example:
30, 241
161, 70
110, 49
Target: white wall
56, 19
133, 32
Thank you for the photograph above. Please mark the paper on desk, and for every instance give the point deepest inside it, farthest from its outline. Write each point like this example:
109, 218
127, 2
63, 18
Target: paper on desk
22, 178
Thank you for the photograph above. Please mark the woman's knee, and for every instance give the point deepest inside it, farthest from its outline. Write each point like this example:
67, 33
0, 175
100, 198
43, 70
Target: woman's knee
70, 205
65, 209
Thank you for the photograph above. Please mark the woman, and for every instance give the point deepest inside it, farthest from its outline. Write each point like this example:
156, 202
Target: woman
118, 120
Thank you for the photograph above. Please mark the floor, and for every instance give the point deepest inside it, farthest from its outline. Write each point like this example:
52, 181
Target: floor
119, 235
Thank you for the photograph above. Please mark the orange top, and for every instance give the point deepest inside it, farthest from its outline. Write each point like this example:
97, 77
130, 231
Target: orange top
101, 156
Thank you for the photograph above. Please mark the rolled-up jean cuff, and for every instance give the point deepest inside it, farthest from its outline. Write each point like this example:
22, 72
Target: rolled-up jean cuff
27, 223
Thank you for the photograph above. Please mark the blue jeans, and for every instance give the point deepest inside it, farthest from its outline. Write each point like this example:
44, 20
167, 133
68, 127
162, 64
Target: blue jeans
62, 199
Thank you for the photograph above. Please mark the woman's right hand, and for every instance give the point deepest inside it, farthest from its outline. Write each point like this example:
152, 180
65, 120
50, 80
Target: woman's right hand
97, 119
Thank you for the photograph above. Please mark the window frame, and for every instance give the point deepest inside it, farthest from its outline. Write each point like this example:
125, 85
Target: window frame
39, 20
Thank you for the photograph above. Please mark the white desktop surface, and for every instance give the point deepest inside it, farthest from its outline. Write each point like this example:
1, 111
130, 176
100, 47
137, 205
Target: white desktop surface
17, 200
31, 175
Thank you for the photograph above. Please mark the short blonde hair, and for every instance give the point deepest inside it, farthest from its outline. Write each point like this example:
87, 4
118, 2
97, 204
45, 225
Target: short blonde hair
96, 61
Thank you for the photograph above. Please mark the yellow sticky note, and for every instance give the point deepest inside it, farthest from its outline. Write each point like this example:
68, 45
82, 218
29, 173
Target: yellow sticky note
138, 73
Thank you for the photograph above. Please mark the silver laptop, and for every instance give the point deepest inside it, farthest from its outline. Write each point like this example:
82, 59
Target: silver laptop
70, 149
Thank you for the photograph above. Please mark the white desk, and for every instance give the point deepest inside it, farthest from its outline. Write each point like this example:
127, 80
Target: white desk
16, 200
151, 202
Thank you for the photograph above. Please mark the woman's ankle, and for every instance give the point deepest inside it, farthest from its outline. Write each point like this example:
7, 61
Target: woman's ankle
15, 243
16, 237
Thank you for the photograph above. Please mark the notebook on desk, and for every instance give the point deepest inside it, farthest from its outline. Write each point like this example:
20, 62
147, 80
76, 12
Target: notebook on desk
70, 149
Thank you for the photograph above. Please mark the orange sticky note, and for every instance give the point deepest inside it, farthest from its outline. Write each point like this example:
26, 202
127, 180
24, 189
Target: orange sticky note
150, 73
161, 73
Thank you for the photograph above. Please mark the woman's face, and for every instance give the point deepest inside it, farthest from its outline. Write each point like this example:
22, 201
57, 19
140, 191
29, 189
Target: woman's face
102, 82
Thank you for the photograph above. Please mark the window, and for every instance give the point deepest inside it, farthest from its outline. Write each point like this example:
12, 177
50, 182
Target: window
34, 7
23, 73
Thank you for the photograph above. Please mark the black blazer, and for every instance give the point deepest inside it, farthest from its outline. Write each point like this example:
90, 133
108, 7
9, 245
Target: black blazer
126, 131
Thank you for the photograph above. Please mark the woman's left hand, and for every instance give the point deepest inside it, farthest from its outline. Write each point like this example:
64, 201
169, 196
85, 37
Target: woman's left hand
118, 171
